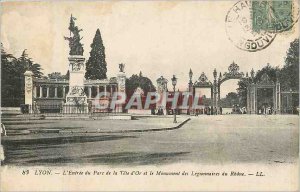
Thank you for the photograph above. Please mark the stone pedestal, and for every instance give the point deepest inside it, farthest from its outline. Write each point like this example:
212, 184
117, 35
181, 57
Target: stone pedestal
28, 87
161, 91
121, 78
76, 100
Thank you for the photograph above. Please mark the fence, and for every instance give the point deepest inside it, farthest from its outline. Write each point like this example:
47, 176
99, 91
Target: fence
67, 109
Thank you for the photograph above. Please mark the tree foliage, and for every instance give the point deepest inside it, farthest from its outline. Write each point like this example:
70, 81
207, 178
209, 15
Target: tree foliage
96, 64
12, 77
9, 80
58, 76
242, 92
288, 76
136, 81
230, 100
243, 83
269, 70
25, 63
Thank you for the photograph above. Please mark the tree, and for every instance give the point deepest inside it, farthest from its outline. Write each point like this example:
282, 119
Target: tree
243, 83
96, 64
67, 76
57, 75
230, 100
204, 100
9, 83
25, 63
269, 70
242, 91
12, 77
136, 81
289, 74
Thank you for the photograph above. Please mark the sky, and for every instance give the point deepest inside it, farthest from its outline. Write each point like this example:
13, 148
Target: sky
159, 38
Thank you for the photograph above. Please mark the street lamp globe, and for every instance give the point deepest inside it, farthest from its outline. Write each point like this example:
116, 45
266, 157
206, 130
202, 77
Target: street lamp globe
215, 73
174, 81
191, 74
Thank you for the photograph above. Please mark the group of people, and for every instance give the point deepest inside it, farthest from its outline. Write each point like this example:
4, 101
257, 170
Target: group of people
236, 109
208, 111
202, 111
266, 110
160, 111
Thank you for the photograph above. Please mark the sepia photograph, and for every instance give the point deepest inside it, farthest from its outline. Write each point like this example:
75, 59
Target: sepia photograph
149, 95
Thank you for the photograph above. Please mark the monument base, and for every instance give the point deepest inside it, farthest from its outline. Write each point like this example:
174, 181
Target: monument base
75, 109
76, 104
100, 105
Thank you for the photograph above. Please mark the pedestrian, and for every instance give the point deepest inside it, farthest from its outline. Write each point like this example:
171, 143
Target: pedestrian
2, 157
3, 130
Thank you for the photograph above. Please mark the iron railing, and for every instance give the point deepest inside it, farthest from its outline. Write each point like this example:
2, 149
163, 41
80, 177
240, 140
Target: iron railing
67, 109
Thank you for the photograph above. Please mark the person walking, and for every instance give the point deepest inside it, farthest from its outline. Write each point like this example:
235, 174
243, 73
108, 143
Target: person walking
3, 130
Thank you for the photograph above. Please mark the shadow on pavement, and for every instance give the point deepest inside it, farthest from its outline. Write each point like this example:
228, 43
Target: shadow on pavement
124, 158
23, 149
34, 142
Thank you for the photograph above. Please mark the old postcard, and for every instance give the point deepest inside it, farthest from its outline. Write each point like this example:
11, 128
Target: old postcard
149, 95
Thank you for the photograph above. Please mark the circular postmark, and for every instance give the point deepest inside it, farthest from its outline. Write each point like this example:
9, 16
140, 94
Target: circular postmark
239, 29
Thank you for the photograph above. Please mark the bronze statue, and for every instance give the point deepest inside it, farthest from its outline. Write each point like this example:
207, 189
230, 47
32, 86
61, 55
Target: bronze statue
121, 67
76, 48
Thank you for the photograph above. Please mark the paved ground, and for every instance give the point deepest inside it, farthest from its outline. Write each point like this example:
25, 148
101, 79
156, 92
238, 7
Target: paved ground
15, 127
204, 139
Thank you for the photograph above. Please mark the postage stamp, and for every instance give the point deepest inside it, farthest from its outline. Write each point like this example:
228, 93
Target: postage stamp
239, 29
273, 16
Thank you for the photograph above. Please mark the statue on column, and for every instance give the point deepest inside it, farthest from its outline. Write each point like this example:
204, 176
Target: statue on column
76, 48
76, 100
121, 67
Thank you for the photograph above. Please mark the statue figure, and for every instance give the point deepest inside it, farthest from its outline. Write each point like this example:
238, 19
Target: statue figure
121, 67
76, 48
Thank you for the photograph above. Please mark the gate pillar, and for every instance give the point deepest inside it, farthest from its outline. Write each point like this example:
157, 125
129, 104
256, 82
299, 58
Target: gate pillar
28, 87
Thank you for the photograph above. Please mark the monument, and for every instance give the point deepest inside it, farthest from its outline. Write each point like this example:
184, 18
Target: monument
76, 99
28, 87
121, 79
162, 88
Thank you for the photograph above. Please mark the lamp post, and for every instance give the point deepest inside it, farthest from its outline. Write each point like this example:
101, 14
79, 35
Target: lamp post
215, 100
191, 76
191, 91
174, 82
291, 100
